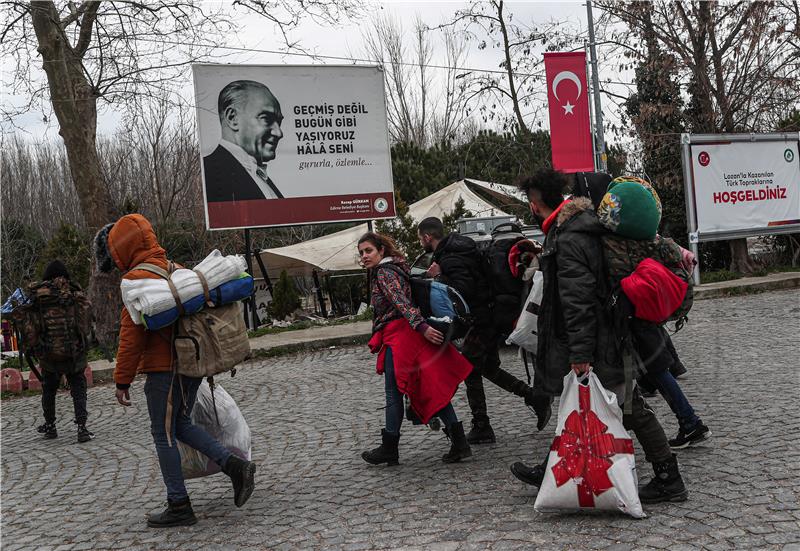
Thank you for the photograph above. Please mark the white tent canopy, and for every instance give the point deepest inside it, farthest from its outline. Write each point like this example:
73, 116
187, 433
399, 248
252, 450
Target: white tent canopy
337, 251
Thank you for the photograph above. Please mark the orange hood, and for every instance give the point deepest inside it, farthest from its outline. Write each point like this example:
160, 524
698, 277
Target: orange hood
132, 241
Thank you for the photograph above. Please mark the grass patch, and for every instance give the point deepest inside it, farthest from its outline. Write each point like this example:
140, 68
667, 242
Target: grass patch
306, 324
727, 275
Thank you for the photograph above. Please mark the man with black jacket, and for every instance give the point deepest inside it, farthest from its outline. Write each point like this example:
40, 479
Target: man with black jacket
456, 262
576, 331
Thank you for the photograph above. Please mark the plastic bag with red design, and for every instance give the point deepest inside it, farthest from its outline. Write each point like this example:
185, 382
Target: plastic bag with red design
591, 463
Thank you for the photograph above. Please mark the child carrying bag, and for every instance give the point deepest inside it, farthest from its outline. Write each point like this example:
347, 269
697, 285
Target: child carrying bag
591, 463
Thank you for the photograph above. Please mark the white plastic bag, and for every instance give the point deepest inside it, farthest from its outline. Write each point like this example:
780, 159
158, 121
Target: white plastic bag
524, 334
591, 463
232, 431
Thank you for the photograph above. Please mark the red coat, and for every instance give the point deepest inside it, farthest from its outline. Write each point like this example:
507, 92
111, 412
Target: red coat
429, 375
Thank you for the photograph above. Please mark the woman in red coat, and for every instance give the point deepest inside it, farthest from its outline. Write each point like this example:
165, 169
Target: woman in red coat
411, 355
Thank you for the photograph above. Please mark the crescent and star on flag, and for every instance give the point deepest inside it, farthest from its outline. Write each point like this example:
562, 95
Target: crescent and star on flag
566, 75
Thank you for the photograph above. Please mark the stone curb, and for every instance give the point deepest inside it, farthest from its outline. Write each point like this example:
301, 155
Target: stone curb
746, 285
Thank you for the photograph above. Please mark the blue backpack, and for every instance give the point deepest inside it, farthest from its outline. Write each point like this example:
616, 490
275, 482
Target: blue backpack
443, 307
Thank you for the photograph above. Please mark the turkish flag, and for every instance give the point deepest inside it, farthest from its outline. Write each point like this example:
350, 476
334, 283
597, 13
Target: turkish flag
568, 99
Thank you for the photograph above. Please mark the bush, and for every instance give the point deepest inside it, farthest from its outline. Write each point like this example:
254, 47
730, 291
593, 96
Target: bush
70, 245
21, 246
285, 298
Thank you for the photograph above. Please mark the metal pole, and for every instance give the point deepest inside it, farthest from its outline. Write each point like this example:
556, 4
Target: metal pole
320, 297
249, 259
688, 195
598, 110
595, 152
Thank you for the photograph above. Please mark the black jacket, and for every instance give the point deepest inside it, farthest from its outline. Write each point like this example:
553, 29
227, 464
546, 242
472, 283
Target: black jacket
574, 324
460, 263
227, 179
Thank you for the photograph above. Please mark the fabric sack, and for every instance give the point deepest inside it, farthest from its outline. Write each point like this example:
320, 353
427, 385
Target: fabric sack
591, 463
231, 431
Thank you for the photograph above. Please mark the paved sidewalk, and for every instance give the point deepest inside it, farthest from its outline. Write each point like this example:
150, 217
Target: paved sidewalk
311, 414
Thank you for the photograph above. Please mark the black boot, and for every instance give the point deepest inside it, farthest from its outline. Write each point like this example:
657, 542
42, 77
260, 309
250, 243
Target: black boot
530, 475
48, 429
459, 447
481, 433
666, 485
541, 404
177, 513
84, 434
386, 452
242, 473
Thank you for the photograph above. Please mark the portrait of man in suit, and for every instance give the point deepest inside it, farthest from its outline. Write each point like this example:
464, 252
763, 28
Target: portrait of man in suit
250, 118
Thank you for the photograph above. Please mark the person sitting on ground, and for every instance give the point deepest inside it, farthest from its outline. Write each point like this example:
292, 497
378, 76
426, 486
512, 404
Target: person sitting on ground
72, 369
412, 355
124, 245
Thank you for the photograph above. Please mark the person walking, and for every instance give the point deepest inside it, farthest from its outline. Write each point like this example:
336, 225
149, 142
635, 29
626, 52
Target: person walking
576, 332
412, 355
456, 262
56, 277
123, 245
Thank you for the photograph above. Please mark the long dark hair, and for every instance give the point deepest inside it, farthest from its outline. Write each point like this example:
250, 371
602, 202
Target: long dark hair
382, 242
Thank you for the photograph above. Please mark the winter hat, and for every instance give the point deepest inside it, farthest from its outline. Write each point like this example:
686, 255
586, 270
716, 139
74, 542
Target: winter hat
631, 208
654, 291
55, 269
105, 263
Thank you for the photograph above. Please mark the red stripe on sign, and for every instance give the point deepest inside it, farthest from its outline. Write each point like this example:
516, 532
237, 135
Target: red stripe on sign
300, 210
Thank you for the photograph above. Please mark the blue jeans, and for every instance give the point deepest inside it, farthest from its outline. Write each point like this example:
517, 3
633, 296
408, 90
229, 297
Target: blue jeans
394, 400
156, 390
669, 388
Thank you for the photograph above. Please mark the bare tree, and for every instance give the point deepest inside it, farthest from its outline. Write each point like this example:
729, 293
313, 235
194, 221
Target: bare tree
741, 61
426, 104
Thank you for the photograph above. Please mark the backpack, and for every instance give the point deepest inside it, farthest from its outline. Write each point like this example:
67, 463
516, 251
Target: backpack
508, 292
443, 307
56, 322
623, 255
211, 341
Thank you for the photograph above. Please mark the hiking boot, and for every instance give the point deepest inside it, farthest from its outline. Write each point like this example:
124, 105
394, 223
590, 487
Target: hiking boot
459, 447
481, 433
684, 439
84, 434
49, 430
177, 513
666, 485
541, 404
386, 452
242, 473
529, 475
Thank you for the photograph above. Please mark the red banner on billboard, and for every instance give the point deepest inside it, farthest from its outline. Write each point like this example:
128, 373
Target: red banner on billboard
568, 100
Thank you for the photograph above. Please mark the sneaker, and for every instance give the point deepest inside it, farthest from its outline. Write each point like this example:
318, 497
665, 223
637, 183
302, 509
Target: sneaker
529, 475
49, 430
84, 435
684, 439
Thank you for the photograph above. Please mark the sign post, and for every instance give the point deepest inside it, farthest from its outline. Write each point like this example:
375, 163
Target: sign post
740, 185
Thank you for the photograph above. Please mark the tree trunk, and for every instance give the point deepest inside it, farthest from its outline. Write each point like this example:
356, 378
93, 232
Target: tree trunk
75, 106
740, 257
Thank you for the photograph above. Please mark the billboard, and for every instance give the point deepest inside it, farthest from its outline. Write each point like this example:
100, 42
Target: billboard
745, 185
285, 145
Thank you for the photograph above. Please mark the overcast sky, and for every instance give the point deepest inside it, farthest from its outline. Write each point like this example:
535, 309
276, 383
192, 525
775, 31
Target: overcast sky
345, 40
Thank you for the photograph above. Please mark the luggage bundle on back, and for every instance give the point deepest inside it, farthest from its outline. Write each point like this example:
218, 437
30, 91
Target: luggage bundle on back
211, 341
508, 291
443, 307
56, 322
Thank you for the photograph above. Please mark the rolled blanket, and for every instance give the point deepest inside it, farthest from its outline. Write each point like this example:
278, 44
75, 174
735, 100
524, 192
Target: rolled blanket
226, 293
153, 296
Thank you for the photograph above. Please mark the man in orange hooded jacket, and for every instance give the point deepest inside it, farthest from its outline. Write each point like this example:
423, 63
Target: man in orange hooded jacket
124, 245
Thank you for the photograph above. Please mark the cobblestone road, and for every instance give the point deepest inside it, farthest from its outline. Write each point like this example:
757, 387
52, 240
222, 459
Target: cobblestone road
311, 416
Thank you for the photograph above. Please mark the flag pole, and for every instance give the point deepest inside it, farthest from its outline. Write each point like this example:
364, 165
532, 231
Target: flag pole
595, 152
598, 112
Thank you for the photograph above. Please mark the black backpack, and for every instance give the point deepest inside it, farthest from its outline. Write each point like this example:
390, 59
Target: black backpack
508, 292
438, 303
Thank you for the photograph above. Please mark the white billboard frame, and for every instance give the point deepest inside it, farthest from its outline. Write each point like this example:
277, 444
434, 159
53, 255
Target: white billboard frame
695, 236
375, 216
